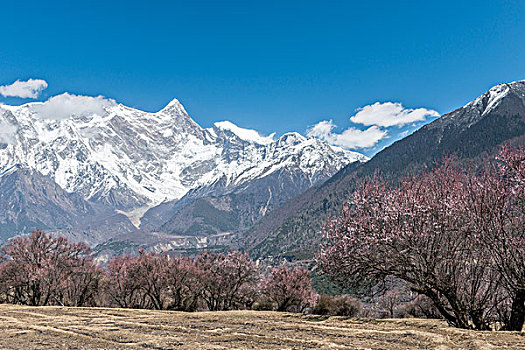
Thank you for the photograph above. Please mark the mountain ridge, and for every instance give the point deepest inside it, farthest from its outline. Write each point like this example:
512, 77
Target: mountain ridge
495, 117
127, 161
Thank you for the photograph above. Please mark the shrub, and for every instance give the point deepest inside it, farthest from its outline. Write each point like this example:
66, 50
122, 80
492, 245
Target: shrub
343, 305
346, 305
263, 304
421, 307
325, 305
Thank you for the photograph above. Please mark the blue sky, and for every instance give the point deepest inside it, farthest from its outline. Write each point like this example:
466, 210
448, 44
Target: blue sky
267, 65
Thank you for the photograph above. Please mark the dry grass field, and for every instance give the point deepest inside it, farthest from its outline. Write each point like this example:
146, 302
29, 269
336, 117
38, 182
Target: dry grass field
92, 328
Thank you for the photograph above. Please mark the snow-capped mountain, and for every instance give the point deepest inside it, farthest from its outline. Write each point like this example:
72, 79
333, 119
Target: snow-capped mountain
131, 160
505, 99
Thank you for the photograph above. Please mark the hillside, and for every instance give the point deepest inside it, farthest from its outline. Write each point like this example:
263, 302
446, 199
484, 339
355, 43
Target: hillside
479, 127
92, 328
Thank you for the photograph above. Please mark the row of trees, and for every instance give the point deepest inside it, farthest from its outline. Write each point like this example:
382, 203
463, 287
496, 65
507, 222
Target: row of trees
43, 270
454, 234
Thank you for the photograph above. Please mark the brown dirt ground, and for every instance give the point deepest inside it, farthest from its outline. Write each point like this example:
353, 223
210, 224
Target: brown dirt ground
97, 328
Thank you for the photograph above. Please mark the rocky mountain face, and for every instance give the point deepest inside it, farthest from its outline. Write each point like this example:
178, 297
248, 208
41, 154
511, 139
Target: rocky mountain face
22, 191
31, 200
290, 166
478, 128
105, 167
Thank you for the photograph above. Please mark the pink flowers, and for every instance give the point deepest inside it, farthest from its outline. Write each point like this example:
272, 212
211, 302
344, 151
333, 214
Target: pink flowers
44, 270
290, 290
455, 235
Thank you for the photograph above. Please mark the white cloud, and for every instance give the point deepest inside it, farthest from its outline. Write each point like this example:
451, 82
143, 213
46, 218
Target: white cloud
384, 120
390, 114
66, 105
24, 89
351, 138
7, 132
321, 130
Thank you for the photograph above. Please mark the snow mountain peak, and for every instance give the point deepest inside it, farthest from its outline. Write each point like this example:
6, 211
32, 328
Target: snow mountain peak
127, 158
495, 95
174, 107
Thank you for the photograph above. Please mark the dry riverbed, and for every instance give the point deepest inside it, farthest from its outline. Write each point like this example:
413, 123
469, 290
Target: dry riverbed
93, 328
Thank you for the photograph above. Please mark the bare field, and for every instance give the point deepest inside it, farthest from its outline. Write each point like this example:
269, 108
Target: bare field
93, 328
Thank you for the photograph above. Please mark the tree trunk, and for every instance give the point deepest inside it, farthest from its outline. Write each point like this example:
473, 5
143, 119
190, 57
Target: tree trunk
517, 315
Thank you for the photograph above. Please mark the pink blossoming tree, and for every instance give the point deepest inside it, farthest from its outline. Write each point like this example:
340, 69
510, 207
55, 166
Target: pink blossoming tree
454, 235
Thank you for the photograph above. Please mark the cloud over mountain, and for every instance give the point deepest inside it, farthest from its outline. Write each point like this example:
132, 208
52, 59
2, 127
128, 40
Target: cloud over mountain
351, 138
388, 120
390, 114
66, 105
24, 89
